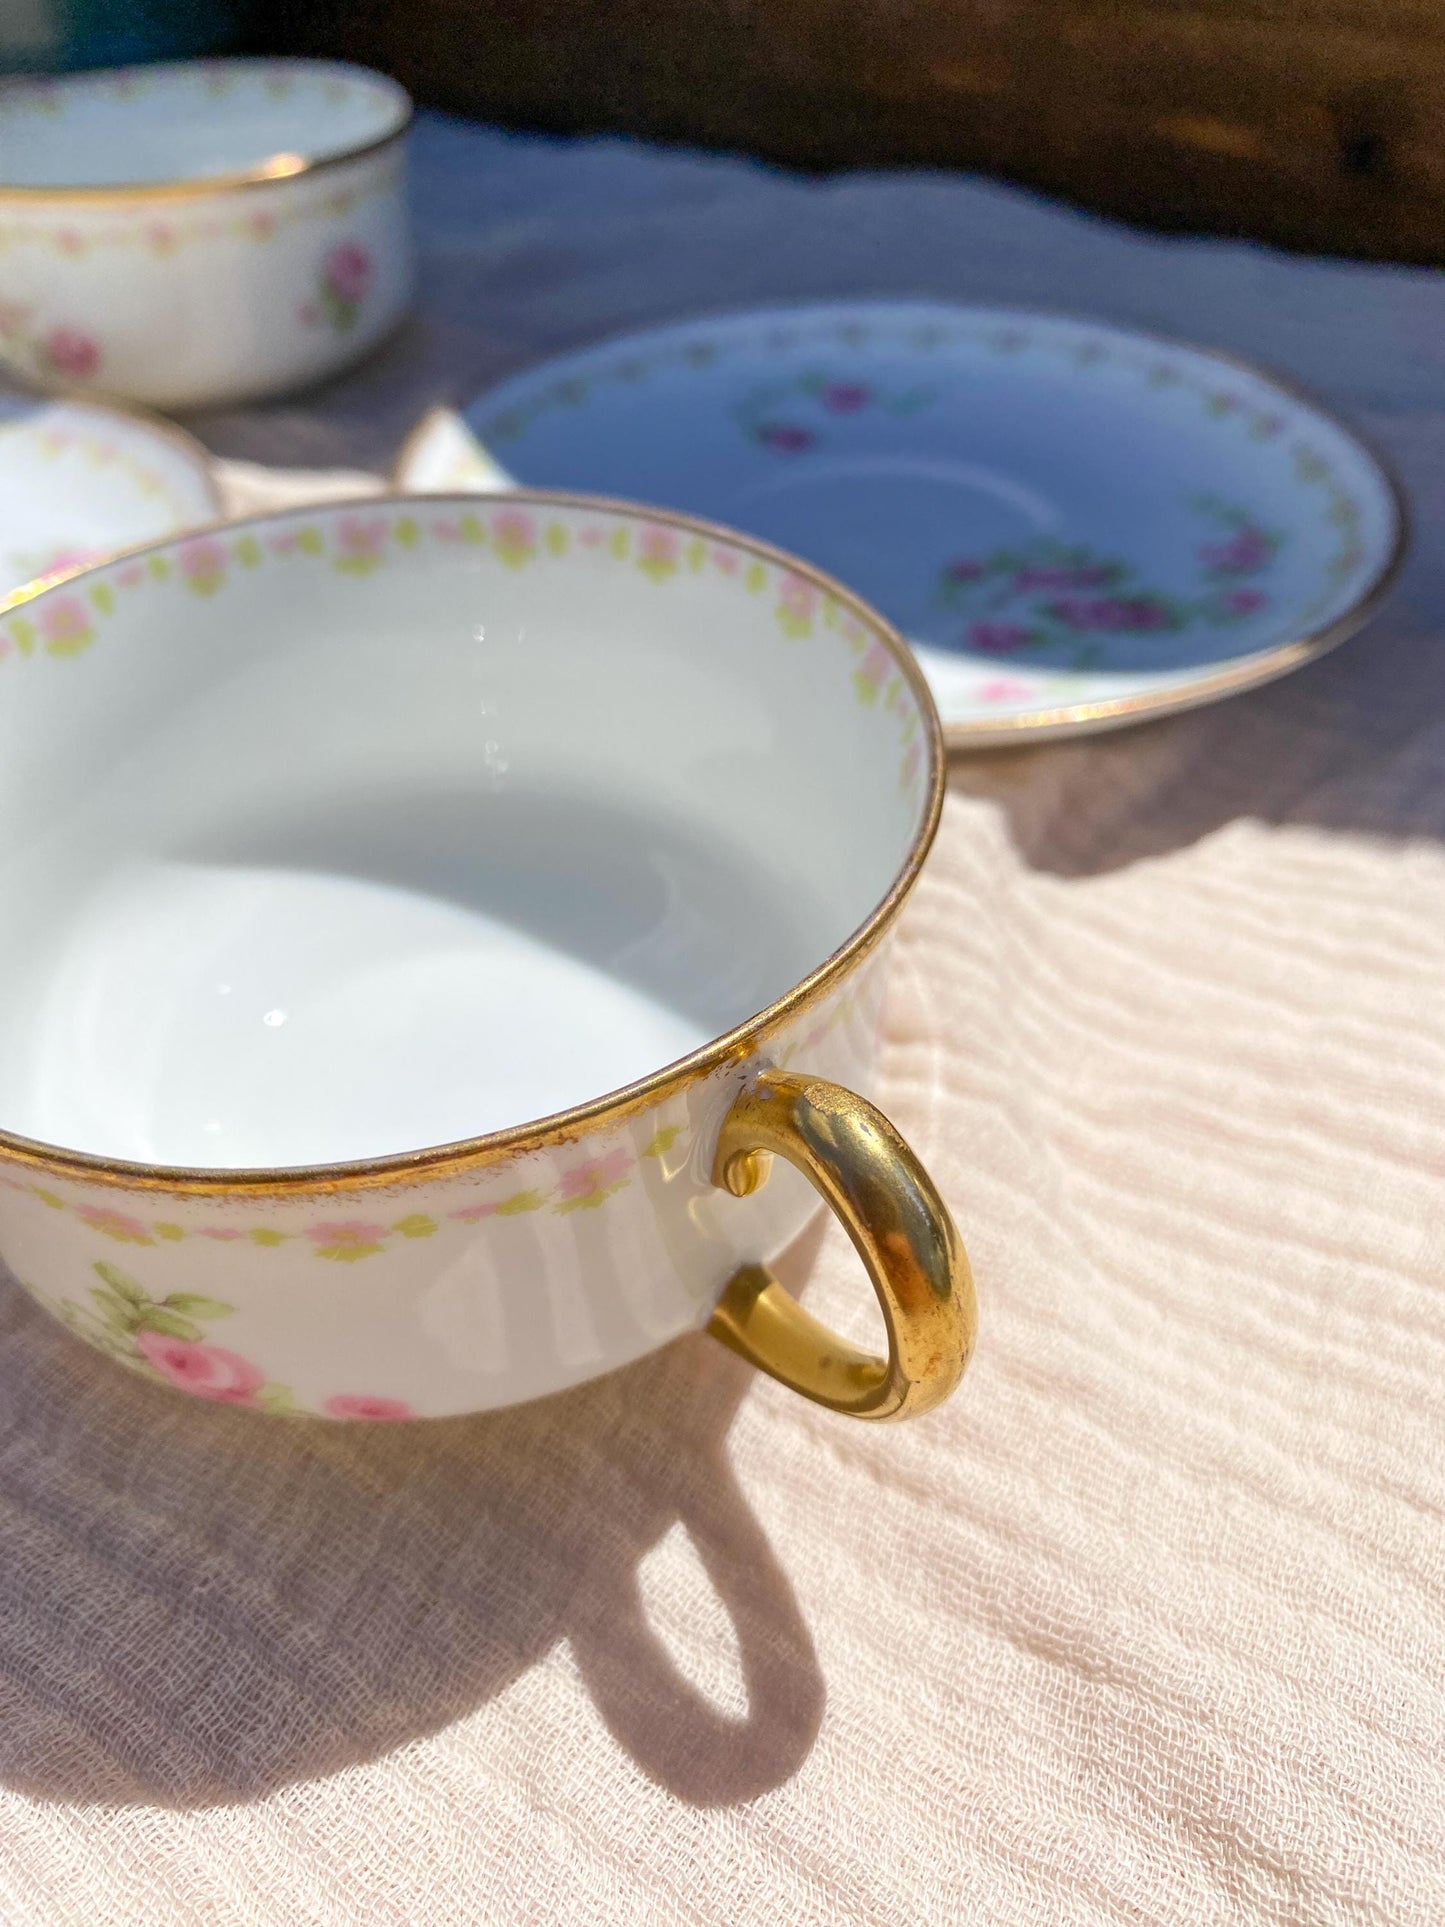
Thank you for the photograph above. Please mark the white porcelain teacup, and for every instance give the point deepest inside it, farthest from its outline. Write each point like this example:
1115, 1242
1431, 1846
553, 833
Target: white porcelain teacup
417, 918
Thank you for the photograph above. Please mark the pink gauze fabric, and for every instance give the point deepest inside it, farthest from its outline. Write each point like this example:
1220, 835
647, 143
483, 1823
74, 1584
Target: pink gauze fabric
1148, 1624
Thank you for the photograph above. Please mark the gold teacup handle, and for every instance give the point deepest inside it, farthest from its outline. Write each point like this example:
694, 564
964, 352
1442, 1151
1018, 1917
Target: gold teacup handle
903, 1234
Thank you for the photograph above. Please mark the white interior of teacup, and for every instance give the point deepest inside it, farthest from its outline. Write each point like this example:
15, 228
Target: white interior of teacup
142, 126
358, 831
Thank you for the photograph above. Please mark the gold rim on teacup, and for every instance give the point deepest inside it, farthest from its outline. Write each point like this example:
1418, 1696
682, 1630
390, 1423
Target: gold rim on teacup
264, 173
847, 1150
736, 1044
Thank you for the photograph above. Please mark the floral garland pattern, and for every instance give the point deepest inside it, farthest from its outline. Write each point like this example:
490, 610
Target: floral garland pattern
159, 236
1219, 397
1052, 595
97, 451
67, 624
583, 1186
164, 1340
345, 280
790, 417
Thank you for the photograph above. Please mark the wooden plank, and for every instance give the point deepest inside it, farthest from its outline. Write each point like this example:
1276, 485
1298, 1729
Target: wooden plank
1316, 124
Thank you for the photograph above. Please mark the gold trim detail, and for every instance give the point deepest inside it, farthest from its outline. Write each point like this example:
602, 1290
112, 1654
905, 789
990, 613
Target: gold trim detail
735, 1049
274, 169
900, 1227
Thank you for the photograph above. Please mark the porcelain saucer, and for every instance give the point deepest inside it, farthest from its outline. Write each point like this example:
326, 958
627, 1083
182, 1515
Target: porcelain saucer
79, 480
1077, 527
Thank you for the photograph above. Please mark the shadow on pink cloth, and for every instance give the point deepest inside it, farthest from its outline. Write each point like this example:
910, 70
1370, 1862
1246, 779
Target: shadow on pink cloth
198, 1605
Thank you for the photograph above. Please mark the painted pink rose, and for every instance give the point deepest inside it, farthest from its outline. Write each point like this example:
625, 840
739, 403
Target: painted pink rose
115, 1224
65, 620
348, 1240
348, 271
798, 597
162, 237
727, 560
875, 665
347, 1232
658, 547
207, 1371
515, 534
997, 638
1245, 553
1131, 614
361, 537
1004, 689
845, 397
72, 353
788, 438
223, 1234
595, 1174
66, 560
202, 560
361, 1405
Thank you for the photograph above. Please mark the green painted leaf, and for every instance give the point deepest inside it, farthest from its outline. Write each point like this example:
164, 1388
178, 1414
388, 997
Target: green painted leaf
416, 1225
155, 1318
194, 1304
279, 1401
122, 1284
519, 1202
115, 1313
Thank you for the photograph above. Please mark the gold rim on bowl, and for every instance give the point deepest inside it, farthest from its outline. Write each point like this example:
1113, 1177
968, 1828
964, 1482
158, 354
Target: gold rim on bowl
734, 1047
274, 169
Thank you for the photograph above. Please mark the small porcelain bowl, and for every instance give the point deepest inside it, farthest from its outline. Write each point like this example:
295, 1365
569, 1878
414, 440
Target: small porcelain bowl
202, 232
420, 922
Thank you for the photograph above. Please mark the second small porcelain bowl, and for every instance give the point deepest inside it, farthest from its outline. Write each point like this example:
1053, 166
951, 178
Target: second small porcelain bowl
419, 922
201, 233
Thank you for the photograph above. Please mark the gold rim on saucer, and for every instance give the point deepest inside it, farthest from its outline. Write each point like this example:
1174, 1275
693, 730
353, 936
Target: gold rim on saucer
1083, 719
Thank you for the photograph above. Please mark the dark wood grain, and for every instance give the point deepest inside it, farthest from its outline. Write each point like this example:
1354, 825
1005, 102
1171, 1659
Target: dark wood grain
1313, 123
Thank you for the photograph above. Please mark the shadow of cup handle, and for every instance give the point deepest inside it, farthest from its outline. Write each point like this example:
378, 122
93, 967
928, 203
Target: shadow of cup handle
674, 1732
